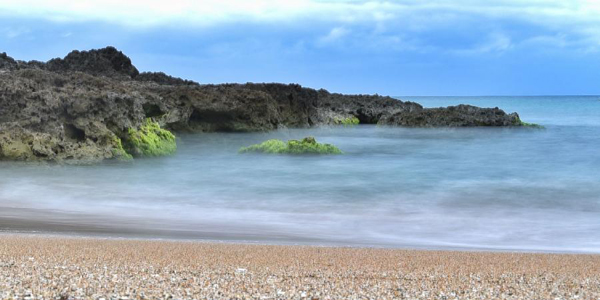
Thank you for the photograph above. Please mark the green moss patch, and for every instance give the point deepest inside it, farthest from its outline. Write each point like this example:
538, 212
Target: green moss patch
118, 151
530, 125
350, 121
150, 140
307, 145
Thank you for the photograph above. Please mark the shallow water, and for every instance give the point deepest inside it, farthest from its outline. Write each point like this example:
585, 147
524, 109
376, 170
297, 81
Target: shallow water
480, 188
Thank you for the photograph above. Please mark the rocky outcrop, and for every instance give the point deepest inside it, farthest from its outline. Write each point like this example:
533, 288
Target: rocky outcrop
84, 107
64, 116
296, 106
453, 116
162, 78
369, 109
102, 62
211, 108
7, 63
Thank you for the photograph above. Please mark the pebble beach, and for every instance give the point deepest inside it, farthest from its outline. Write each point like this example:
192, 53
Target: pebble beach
47, 267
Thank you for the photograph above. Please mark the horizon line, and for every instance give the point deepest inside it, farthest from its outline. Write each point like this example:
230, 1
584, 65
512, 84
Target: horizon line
582, 95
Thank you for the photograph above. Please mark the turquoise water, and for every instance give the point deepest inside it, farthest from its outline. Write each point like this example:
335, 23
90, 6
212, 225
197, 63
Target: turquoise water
474, 188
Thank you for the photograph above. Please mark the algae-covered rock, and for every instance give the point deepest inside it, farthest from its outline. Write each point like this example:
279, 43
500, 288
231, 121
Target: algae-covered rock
519, 122
150, 140
349, 121
81, 108
14, 148
307, 145
17, 143
118, 151
273, 146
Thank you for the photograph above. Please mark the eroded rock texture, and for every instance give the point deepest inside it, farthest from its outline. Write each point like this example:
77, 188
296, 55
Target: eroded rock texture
81, 107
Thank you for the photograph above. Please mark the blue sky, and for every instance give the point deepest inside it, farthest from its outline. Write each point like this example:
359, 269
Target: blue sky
440, 47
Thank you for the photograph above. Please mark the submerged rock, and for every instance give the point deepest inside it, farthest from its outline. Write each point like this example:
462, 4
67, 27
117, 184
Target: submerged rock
528, 125
86, 105
308, 145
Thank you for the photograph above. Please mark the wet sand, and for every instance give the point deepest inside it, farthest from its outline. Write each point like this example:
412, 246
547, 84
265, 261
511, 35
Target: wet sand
43, 267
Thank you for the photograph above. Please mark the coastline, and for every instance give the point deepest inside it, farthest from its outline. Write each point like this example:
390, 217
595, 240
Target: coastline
288, 241
95, 268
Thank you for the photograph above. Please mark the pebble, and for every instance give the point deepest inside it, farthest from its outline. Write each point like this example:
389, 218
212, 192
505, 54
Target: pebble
52, 268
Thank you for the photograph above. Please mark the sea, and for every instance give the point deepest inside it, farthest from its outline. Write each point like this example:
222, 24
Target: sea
497, 189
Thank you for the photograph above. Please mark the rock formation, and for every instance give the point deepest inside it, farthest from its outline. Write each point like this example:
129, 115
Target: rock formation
84, 106
452, 116
306, 146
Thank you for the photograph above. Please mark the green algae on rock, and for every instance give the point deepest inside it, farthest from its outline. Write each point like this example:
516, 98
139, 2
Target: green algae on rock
307, 145
118, 151
70, 108
519, 122
14, 149
349, 121
150, 140
271, 146
532, 125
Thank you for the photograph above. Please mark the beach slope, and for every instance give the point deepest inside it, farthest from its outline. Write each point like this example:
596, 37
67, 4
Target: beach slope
35, 267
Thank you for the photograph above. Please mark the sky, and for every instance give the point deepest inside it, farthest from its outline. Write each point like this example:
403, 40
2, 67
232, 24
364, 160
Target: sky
398, 48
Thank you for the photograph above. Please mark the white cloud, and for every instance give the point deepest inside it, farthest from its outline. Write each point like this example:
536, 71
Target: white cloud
577, 19
335, 35
496, 43
143, 13
12, 33
558, 40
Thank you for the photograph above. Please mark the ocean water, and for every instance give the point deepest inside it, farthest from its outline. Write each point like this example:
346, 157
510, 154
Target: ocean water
448, 188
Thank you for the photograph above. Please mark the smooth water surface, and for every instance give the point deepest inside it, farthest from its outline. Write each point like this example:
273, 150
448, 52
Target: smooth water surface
480, 188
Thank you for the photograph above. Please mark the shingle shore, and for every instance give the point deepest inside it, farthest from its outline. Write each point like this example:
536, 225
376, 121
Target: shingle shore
34, 267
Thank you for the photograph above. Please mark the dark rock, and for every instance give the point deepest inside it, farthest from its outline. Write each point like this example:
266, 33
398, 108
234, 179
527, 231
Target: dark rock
302, 107
162, 78
51, 116
453, 116
215, 108
100, 62
369, 109
83, 106
7, 62
296, 106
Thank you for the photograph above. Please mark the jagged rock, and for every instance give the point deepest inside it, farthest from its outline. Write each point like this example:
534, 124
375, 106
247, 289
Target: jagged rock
7, 62
296, 106
453, 116
162, 78
85, 106
106, 62
213, 108
17, 143
369, 109
64, 116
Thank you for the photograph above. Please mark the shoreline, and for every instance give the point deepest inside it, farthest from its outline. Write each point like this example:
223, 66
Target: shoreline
94, 268
114, 236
